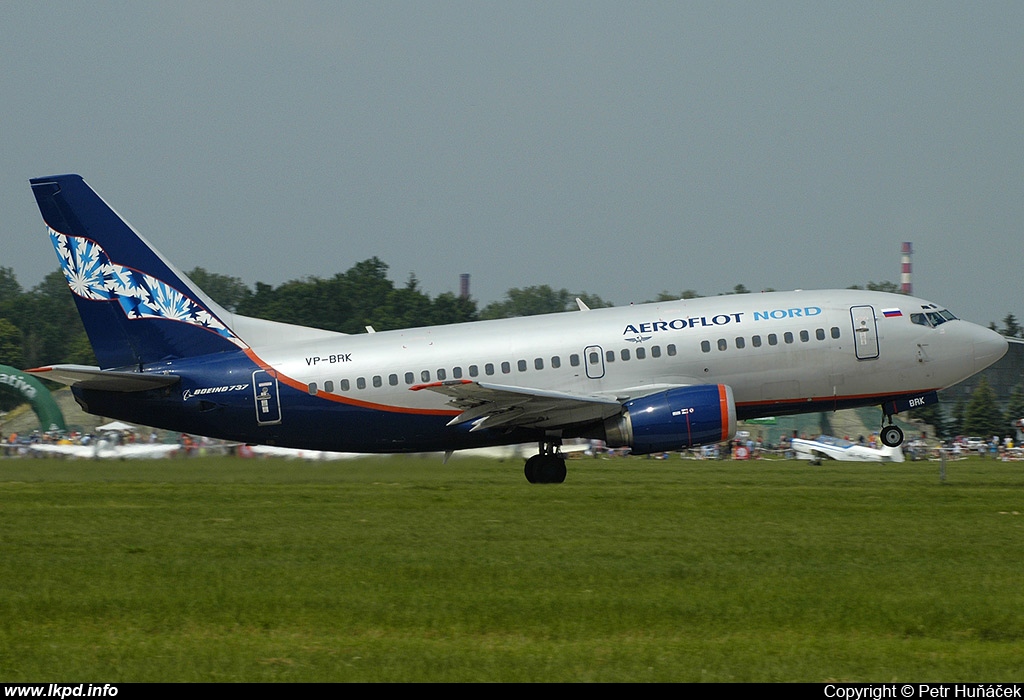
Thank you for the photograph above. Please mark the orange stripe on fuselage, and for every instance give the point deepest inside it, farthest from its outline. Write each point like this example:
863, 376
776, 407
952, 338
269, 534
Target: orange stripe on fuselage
337, 398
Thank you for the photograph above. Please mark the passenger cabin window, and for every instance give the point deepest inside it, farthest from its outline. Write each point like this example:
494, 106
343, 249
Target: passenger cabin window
705, 346
641, 353
741, 343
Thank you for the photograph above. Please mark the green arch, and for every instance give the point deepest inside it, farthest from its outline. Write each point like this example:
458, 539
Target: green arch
33, 391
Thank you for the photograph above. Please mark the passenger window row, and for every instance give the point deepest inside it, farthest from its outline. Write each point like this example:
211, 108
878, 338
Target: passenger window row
640, 353
740, 342
488, 369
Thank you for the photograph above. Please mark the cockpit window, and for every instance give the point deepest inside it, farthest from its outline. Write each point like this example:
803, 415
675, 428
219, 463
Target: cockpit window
932, 318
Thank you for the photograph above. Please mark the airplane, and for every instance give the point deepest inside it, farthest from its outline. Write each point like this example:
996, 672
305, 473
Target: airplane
107, 445
105, 448
652, 378
828, 447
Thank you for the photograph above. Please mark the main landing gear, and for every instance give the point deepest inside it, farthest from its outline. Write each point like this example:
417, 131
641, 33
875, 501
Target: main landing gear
546, 467
890, 435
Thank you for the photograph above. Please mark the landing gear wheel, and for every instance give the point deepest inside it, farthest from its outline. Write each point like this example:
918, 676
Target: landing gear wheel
545, 469
530, 470
554, 470
891, 436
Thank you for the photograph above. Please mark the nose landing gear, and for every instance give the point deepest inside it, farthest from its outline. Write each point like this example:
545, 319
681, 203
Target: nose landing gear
890, 435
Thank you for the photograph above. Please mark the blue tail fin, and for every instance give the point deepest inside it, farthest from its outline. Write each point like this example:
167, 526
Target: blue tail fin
137, 308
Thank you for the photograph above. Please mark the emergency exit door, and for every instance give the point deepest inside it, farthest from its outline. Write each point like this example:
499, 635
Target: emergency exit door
593, 358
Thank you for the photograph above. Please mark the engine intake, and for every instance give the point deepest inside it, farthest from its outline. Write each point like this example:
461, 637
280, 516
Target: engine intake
674, 419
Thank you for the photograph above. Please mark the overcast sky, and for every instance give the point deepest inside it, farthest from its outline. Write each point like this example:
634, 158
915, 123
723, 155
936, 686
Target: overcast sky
618, 148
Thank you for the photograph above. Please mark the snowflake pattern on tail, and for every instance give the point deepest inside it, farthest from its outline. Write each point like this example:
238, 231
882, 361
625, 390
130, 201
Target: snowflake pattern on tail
91, 275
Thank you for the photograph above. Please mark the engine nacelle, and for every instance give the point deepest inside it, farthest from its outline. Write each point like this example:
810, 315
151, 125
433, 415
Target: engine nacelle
674, 419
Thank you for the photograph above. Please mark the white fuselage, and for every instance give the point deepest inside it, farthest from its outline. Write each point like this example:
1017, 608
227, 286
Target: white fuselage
776, 350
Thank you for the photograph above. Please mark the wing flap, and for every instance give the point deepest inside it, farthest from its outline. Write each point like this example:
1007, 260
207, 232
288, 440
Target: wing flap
488, 405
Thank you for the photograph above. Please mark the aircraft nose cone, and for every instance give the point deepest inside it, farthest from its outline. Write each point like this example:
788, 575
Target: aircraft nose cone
989, 346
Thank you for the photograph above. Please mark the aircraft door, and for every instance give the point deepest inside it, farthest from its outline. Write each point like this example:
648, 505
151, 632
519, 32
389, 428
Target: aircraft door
593, 358
267, 398
865, 332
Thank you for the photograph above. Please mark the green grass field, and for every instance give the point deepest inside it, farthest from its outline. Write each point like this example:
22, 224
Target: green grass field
405, 569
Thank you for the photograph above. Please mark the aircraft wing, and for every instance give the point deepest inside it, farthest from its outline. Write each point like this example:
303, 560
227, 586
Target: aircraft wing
492, 405
104, 379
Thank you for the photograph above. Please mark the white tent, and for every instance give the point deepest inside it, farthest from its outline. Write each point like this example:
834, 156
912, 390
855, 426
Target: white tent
115, 427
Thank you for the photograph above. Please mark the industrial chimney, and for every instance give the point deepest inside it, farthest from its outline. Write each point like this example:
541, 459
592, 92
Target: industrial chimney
905, 286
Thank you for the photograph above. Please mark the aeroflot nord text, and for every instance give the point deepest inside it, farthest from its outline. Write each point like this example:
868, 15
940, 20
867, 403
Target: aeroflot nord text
679, 324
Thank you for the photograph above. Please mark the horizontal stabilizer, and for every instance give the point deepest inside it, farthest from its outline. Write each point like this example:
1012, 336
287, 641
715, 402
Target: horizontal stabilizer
88, 377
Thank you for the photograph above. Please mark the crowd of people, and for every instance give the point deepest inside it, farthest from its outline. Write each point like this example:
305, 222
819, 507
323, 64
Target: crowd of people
22, 445
743, 447
747, 447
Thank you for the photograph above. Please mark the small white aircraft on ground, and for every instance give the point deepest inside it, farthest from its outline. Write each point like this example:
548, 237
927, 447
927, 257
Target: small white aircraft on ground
828, 447
109, 443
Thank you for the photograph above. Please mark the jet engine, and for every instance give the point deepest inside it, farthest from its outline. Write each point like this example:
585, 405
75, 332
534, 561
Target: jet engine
673, 419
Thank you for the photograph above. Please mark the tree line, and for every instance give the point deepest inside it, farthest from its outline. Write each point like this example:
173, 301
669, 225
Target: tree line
41, 325
979, 415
